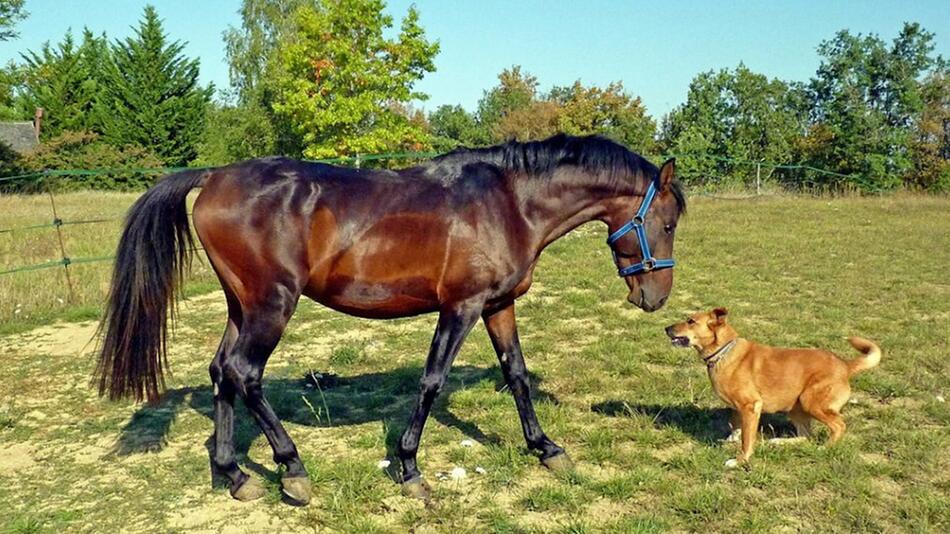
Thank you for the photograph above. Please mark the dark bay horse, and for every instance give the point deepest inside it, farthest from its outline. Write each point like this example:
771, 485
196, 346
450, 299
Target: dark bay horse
459, 235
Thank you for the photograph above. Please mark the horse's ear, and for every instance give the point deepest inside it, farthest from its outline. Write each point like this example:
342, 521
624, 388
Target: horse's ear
667, 171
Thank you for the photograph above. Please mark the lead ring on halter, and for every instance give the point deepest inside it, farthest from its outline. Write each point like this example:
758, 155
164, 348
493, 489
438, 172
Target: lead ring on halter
649, 263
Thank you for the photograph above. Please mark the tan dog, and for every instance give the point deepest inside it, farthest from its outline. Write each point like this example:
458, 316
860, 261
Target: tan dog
756, 379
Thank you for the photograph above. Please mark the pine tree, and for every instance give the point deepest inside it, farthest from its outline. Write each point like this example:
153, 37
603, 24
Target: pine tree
66, 81
152, 97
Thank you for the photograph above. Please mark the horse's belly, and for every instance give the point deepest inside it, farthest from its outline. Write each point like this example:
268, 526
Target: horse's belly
378, 299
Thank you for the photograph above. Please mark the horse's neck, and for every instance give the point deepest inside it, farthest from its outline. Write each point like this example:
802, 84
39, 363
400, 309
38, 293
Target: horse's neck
554, 206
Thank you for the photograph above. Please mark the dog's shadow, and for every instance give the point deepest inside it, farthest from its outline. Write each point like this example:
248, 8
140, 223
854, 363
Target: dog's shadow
318, 400
706, 425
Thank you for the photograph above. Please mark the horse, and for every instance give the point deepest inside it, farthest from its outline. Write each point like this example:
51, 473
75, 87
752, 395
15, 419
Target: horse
459, 235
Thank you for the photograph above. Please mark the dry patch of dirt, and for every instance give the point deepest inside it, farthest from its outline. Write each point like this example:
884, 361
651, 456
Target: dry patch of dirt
61, 339
16, 458
211, 512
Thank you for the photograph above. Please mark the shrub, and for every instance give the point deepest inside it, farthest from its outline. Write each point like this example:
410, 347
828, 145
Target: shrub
86, 151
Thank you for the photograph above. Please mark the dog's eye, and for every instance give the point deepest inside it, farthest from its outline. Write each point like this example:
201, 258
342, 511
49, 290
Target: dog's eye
669, 228
690, 321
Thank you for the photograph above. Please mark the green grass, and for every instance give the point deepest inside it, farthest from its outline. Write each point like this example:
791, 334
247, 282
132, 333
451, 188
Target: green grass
636, 414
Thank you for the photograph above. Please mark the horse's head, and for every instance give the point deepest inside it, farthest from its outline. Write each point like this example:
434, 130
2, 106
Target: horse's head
643, 245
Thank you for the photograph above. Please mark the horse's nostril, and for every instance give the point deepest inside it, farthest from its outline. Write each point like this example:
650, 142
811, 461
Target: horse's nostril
661, 303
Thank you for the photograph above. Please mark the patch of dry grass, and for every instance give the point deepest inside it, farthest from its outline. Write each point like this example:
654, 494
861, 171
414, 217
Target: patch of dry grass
92, 224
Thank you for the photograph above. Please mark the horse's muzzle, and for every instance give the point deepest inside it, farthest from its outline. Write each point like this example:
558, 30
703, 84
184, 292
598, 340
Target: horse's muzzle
638, 299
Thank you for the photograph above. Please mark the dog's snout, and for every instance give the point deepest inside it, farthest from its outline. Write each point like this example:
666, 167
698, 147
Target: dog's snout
669, 331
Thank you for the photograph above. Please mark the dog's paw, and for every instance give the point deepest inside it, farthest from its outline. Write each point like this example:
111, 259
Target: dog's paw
734, 437
732, 463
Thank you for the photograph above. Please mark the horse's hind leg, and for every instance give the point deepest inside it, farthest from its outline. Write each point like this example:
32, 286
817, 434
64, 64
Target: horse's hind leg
503, 332
223, 463
261, 329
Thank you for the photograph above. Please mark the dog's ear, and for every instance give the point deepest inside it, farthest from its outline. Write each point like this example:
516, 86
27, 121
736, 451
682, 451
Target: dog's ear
719, 316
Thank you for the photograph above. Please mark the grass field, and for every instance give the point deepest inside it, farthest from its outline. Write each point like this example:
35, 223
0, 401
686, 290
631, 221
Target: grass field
93, 223
637, 415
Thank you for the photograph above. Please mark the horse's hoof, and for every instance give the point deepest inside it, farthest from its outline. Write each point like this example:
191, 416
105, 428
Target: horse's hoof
250, 490
559, 463
297, 489
416, 489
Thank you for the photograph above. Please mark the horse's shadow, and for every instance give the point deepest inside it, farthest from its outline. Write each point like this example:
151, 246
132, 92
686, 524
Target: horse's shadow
318, 400
706, 425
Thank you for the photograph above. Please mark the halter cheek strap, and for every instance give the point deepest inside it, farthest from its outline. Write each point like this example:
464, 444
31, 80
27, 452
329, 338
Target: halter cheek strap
636, 224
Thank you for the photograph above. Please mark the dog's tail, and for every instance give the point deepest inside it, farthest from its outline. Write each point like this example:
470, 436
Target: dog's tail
872, 355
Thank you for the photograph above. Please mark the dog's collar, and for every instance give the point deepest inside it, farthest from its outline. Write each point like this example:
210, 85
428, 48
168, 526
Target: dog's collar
720, 353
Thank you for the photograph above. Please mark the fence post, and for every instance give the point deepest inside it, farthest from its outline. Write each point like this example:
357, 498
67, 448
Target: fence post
58, 223
758, 178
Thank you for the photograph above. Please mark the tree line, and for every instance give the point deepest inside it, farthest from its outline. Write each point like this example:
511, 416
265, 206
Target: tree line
332, 78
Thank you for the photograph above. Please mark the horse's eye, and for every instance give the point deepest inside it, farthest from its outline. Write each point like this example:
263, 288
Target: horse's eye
669, 228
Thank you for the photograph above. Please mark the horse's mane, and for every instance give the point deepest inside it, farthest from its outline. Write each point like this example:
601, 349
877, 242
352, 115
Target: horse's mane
606, 159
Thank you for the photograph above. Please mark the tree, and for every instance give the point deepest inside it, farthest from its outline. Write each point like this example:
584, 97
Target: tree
452, 126
233, 133
11, 12
65, 81
515, 109
516, 91
151, 97
736, 114
930, 143
866, 97
608, 111
11, 82
342, 86
250, 48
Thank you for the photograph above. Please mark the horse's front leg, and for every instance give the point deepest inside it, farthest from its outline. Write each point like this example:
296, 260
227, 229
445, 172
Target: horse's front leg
454, 325
503, 332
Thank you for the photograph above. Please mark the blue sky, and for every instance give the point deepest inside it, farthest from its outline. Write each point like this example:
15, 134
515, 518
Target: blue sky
655, 48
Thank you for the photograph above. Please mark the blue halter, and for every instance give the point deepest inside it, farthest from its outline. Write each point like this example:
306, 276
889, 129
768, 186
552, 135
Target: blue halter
649, 263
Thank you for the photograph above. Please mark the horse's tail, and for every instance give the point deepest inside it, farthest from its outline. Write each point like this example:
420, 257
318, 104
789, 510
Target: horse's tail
872, 355
153, 254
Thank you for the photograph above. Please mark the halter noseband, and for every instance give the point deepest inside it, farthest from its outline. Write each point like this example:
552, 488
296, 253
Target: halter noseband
649, 263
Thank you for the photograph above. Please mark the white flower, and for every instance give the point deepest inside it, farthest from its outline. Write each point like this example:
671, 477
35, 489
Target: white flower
458, 473
941, 399
732, 462
467, 443
383, 464
481, 470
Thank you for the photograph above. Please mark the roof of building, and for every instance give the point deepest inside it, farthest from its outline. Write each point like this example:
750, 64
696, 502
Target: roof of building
19, 135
